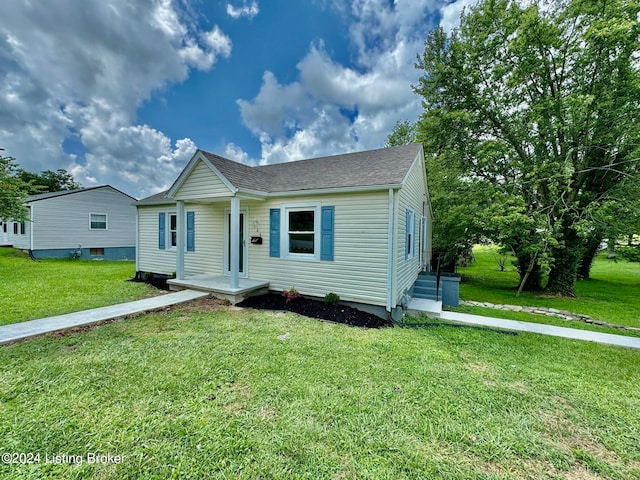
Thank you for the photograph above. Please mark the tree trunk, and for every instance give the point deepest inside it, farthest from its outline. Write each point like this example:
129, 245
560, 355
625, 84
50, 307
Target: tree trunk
591, 250
532, 281
564, 272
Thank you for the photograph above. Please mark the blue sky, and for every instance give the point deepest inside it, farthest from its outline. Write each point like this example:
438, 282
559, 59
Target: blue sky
123, 92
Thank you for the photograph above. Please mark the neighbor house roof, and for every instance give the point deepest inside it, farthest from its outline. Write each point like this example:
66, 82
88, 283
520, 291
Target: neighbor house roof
380, 168
43, 196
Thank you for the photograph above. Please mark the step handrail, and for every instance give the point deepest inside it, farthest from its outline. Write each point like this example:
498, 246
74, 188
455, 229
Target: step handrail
438, 278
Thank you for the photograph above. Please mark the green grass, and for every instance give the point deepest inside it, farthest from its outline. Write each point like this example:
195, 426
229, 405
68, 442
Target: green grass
191, 394
30, 290
612, 295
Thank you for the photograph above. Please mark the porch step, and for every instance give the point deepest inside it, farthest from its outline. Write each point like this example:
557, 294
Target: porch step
426, 287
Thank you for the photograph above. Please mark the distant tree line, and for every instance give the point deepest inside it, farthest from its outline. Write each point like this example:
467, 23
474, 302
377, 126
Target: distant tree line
16, 184
531, 133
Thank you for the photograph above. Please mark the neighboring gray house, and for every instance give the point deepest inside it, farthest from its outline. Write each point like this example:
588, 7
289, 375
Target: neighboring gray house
96, 222
357, 224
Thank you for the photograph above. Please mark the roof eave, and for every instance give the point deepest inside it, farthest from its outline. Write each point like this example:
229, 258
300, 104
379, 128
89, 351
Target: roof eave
336, 190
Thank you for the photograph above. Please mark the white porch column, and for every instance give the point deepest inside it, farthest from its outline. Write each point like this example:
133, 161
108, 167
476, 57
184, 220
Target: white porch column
234, 241
180, 237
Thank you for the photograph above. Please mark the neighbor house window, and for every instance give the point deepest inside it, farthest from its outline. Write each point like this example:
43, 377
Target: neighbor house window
19, 228
96, 251
98, 221
173, 230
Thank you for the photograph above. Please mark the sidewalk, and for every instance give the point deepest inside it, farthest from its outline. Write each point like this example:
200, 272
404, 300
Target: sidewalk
33, 328
573, 333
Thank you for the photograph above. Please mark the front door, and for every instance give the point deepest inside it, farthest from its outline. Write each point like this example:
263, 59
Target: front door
242, 258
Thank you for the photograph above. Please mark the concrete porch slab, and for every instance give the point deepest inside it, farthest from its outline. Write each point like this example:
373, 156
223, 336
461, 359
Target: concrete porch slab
219, 286
431, 308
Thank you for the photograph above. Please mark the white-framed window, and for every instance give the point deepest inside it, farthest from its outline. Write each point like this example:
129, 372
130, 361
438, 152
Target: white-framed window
410, 232
301, 224
97, 221
172, 231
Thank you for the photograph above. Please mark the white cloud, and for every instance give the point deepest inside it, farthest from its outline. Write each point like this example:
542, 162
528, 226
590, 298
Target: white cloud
77, 69
451, 13
245, 10
234, 152
333, 108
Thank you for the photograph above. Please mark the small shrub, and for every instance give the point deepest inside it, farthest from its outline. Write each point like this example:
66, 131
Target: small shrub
630, 253
291, 294
148, 276
332, 299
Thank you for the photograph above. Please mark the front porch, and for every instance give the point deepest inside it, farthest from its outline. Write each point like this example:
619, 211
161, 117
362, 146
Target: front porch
220, 287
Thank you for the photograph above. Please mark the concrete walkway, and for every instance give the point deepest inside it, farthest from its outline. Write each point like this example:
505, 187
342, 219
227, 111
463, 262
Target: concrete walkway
588, 335
33, 328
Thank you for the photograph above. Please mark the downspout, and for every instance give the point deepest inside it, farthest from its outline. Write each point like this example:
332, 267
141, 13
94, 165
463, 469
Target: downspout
137, 254
31, 228
390, 250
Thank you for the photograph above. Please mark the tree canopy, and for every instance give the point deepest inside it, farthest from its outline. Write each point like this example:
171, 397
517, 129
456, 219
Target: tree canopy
48, 181
16, 184
13, 191
533, 106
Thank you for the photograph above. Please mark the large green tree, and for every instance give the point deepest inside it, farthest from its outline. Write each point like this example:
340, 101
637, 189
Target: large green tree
537, 103
13, 191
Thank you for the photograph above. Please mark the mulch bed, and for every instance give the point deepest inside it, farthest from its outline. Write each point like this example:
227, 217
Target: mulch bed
316, 309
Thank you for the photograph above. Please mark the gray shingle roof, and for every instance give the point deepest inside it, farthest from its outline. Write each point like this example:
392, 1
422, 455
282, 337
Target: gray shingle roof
385, 166
156, 199
43, 196
372, 168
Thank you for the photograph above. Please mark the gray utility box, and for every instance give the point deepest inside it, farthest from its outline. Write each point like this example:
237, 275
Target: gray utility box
450, 285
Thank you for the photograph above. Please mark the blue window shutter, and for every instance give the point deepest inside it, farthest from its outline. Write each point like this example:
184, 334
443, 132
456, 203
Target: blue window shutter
326, 230
191, 232
274, 232
161, 231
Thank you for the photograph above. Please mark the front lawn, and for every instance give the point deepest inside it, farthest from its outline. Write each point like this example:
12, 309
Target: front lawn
611, 295
252, 394
30, 290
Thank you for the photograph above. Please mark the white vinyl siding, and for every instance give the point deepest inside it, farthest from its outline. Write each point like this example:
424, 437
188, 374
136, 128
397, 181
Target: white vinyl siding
358, 272
202, 183
64, 221
208, 255
19, 240
411, 197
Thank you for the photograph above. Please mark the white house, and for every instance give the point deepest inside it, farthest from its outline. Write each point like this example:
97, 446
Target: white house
357, 224
97, 222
